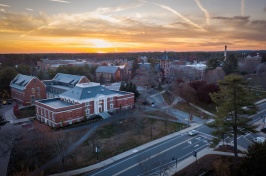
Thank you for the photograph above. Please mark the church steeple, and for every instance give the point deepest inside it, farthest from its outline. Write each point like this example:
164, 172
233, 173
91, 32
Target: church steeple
165, 56
165, 65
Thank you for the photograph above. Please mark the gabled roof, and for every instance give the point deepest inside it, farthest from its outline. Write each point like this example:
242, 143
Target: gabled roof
88, 92
67, 78
20, 81
164, 57
106, 69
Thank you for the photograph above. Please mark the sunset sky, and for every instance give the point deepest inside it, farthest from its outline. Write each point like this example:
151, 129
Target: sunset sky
81, 26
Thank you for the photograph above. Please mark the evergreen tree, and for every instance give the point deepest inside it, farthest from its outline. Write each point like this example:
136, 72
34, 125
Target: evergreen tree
254, 161
101, 79
213, 64
112, 79
263, 58
122, 86
135, 67
230, 65
230, 118
41, 75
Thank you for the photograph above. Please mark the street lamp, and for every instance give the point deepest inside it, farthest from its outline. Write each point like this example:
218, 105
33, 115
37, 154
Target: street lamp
175, 158
97, 150
152, 127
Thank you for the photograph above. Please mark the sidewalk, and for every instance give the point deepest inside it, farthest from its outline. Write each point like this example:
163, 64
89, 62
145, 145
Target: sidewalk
186, 162
9, 116
125, 154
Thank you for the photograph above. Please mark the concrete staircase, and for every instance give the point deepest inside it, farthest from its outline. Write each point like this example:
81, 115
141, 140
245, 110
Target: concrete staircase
104, 115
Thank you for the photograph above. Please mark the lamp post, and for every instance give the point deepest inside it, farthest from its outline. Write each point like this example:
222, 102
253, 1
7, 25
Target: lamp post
195, 155
152, 127
175, 158
97, 150
188, 120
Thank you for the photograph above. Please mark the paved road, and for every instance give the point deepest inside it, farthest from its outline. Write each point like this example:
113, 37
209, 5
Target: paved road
8, 133
157, 158
149, 160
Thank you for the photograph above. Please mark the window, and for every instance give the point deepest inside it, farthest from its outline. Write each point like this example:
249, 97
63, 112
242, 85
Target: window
38, 89
32, 90
87, 111
41, 111
111, 99
49, 115
53, 117
111, 106
87, 103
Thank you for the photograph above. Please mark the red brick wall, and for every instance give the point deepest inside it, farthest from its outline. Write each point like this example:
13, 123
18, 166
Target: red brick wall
25, 95
84, 80
78, 110
34, 85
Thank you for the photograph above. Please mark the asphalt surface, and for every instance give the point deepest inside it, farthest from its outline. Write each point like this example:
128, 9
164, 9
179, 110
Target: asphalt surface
150, 160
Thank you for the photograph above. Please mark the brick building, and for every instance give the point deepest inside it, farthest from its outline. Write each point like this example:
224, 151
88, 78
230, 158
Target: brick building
61, 83
27, 89
108, 73
165, 65
80, 103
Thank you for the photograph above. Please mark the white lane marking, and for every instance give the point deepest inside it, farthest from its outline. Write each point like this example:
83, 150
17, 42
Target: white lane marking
151, 148
189, 142
145, 173
196, 145
134, 165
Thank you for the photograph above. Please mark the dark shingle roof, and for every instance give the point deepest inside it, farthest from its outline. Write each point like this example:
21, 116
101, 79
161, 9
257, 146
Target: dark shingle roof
67, 78
81, 93
20, 81
106, 69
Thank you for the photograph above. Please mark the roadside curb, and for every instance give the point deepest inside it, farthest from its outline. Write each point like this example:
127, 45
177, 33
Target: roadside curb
125, 154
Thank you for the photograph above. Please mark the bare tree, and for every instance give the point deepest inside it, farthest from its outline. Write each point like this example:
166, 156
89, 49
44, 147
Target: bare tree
61, 142
138, 122
213, 76
186, 92
147, 77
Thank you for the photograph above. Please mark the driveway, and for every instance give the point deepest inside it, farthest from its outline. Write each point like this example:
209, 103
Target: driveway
8, 133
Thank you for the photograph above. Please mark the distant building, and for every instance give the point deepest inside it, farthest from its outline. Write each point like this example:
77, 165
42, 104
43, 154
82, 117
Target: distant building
165, 65
45, 64
27, 89
108, 73
80, 103
61, 83
249, 58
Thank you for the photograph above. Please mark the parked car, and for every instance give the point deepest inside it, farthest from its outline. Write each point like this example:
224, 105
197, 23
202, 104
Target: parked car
193, 133
259, 139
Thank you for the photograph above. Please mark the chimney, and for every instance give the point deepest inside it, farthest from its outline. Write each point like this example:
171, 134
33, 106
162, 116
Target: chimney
225, 52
